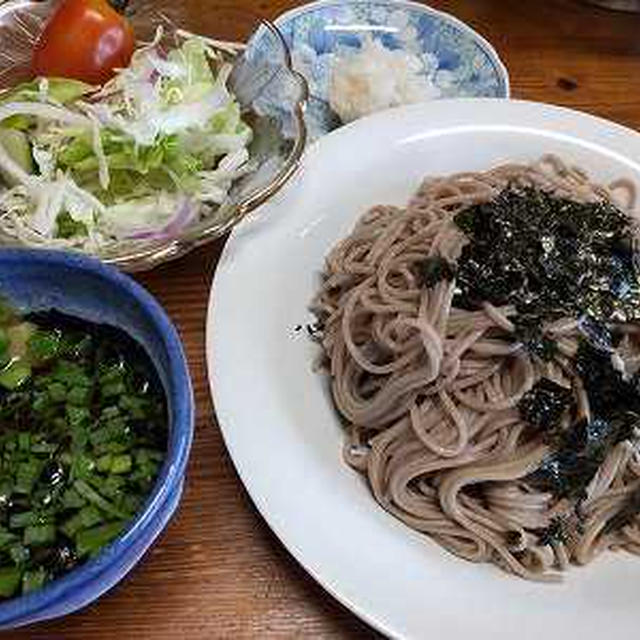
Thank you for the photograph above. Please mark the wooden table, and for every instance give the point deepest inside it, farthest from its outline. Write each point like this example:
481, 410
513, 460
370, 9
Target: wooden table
218, 571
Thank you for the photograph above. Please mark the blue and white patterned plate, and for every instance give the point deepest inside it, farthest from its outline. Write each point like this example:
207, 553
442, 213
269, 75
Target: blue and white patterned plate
455, 58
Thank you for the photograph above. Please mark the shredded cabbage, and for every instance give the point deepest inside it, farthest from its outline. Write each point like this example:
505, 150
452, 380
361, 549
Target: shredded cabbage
129, 158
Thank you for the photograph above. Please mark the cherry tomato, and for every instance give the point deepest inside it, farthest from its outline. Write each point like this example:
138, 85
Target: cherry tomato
85, 40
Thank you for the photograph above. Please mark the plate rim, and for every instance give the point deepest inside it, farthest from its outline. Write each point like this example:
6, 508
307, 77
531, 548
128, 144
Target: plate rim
221, 411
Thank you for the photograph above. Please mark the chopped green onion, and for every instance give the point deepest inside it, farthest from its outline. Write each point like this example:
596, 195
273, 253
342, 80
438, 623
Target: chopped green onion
90, 541
71, 499
82, 466
6, 537
121, 464
110, 447
109, 412
79, 437
93, 496
71, 374
19, 554
135, 406
104, 462
112, 375
111, 390
87, 517
15, 374
57, 392
9, 580
26, 519
43, 346
111, 487
24, 441
79, 396
39, 535
26, 476
78, 416
4, 341
43, 447
113, 430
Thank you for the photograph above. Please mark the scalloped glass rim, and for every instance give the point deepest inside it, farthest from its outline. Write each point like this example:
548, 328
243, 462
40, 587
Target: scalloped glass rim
144, 255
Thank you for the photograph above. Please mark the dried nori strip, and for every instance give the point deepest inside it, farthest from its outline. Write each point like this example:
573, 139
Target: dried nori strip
568, 470
615, 408
596, 332
548, 255
610, 395
555, 533
544, 405
528, 331
433, 270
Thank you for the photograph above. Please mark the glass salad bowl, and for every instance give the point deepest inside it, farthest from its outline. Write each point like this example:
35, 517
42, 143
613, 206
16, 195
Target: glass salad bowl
271, 95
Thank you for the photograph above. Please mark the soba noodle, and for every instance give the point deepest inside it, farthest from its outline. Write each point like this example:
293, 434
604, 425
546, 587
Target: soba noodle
429, 392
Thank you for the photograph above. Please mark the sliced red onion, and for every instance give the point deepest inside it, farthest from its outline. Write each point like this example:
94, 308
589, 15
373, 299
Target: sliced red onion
185, 214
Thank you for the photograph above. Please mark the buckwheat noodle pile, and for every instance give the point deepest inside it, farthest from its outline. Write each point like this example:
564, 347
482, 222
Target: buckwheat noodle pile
429, 392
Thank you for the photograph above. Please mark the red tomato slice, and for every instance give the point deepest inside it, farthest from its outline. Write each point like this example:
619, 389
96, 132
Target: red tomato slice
85, 40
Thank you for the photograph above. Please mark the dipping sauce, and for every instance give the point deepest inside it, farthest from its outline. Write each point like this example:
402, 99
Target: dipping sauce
83, 434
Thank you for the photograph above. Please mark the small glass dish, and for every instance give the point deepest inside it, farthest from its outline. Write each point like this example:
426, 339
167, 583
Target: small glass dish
271, 94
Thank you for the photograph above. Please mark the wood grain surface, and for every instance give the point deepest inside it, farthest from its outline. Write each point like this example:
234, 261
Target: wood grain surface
218, 571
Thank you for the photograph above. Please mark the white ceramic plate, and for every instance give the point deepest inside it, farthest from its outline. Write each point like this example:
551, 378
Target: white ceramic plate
276, 415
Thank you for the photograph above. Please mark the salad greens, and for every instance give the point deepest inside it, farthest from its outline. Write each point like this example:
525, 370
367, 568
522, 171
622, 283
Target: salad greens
82, 436
139, 158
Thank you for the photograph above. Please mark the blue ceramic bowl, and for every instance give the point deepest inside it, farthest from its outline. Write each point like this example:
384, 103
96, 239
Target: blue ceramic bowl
36, 280
459, 61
